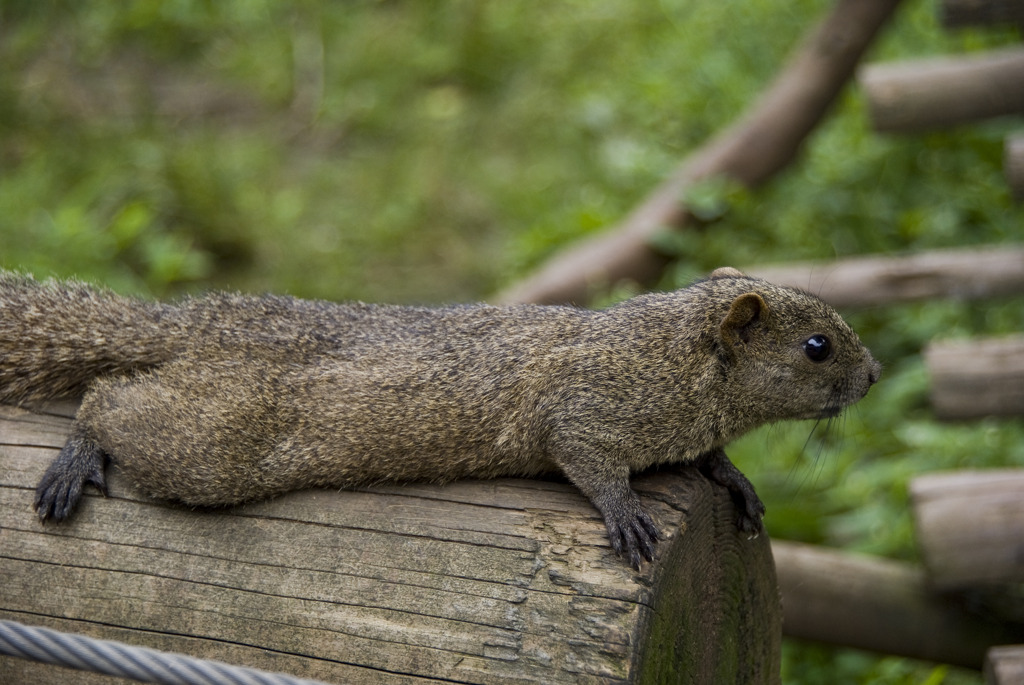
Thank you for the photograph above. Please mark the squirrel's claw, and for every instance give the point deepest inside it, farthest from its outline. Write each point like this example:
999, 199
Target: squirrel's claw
751, 515
631, 531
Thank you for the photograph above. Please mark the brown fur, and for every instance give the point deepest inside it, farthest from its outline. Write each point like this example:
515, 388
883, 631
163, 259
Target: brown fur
229, 398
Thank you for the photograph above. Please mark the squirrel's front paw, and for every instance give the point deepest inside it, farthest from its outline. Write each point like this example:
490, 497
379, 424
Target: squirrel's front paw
752, 512
716, 466
631, 531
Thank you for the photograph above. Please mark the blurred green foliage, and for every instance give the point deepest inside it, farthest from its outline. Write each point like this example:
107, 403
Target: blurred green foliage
434, 150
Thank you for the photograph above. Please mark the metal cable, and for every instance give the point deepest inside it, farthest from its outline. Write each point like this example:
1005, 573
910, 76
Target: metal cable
126, 661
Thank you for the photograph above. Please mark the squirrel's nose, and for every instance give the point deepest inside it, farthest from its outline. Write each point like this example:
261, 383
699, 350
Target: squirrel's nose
874, 371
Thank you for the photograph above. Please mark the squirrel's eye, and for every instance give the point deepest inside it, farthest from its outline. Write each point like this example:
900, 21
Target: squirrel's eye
817, 348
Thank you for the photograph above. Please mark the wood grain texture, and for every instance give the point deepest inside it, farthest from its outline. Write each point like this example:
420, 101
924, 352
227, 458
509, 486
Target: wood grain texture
943, 91
978, 377
475, 582
966, 274
970, 526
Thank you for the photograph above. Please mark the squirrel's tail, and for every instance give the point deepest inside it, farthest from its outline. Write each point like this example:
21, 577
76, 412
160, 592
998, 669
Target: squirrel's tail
56, 337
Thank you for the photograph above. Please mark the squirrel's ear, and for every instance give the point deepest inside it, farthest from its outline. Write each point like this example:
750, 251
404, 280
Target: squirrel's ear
726, 272
745, 313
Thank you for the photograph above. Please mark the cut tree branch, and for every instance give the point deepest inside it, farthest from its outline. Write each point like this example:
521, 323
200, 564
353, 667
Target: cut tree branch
977, 377
881, 605
963, 274
757, 146
939, 92
969, 525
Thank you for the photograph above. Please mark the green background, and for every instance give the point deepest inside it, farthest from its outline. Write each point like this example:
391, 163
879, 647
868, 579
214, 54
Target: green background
434, 151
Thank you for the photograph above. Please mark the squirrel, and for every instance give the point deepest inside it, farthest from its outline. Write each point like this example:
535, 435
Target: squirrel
228, 398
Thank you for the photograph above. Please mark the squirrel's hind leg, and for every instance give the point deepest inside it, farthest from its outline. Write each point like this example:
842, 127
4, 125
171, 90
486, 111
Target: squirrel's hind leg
81, 461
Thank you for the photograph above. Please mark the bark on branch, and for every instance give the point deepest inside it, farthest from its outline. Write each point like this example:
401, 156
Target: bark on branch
757, 146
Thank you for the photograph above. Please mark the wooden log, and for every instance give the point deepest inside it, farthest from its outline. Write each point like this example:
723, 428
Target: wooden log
975, 378
956, 13
1013, 165
473, 582
965, 274
944, 91
1005, 665
879, 605
765, 140
970, 527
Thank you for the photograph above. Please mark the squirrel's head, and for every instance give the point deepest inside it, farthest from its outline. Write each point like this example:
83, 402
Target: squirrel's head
790, 351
